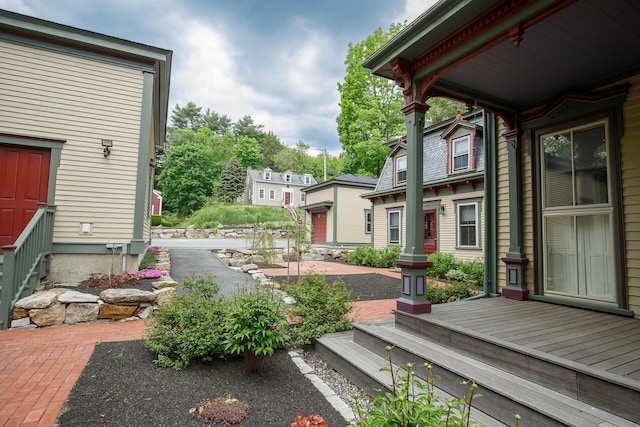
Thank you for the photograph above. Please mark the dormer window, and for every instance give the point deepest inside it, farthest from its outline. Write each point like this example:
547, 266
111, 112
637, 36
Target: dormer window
307, 179
287, 177
267, 175
401, 169
461, 148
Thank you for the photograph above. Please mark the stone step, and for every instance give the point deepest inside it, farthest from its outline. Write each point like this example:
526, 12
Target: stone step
360, 353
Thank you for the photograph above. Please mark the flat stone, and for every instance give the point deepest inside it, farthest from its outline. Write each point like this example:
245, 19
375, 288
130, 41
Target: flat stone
248, 267
38, 300
73, 285
21, 323
116, 312
164, 295
75, 296
164, 284
126, 296
145, 312
20, 313
81, 312
49, 316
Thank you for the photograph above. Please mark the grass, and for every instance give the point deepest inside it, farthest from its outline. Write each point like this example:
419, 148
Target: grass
213, 215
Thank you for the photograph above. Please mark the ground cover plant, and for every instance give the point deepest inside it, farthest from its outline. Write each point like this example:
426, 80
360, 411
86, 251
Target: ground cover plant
366, 255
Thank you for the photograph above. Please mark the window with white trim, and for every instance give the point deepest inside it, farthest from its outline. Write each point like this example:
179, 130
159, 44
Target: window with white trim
287, 177
260, 193
307, 179
460, 153
267, 175
303, 196
401, 169
394, 222
467, 218
368, 221
272, 194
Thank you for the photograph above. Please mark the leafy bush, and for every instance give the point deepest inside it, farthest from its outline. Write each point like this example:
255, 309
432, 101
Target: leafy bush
156, 220
412, 402
256, 325
322, 307
474, 271
443, 293
442, 263
149, 259
366, 255
167, 223
233, 215
189, 326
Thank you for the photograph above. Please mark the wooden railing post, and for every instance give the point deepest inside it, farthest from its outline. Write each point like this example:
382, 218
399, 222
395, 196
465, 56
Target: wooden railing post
6, 282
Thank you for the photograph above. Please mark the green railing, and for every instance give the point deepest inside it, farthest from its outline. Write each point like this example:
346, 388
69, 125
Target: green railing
26, 261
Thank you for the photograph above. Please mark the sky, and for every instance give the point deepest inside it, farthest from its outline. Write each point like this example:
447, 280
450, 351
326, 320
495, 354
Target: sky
278, 61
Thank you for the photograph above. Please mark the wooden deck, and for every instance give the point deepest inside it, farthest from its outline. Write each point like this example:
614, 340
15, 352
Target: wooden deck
594, 340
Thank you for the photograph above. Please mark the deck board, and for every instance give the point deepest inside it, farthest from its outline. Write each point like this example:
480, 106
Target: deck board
596, 340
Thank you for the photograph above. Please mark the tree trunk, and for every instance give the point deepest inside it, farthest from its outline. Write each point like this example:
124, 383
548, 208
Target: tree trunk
253, 363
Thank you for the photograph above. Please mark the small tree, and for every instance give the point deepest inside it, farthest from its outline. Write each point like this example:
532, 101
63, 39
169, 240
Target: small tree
247, 151
232, 180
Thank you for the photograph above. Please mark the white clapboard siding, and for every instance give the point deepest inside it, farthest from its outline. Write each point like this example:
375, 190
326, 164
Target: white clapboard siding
82, 101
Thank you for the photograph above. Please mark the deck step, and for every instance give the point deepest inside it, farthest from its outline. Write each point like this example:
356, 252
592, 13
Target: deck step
359, 355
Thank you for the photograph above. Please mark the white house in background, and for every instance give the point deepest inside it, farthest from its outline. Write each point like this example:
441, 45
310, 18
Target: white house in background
268, 188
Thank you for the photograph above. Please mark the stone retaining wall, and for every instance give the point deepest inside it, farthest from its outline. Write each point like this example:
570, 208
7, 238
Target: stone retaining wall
221, 232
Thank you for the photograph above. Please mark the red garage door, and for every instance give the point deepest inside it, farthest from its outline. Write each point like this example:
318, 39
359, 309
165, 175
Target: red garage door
24, 181
319, 221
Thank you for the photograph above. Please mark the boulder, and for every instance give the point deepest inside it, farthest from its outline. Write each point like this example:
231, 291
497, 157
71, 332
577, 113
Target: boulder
248, 267
116, 312
145, 312
126, 296
21, 323
164, 295
37, 301
77, 297
20, 313
160, 284
78, 312
49, 316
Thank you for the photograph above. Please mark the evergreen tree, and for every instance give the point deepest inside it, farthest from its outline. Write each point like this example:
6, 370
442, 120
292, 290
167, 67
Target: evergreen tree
232, 180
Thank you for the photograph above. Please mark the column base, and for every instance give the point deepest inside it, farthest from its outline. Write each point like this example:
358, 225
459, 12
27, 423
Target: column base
413, 306
514, 292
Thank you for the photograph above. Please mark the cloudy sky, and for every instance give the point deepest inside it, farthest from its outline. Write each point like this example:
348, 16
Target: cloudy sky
278, 61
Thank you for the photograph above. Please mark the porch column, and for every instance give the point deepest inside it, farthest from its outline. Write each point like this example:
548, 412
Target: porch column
413, 261
515, 260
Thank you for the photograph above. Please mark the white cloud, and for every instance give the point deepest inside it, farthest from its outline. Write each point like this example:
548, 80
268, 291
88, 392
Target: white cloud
18, 6
414, 8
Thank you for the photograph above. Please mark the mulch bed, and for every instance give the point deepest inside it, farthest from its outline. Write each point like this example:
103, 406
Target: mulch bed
121, 386
142, 284
363, 287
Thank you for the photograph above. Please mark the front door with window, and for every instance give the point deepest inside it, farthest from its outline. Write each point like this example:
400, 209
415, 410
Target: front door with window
319, 222
24, 182
577, 214
287, 198
430, 231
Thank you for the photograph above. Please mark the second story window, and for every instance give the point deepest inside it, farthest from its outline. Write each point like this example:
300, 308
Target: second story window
461, 148
307, 179
287, 177
401, 170
267, 176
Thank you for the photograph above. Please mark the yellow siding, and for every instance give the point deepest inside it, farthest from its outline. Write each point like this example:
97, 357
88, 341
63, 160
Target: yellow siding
351, 219
380, 223
447, 227
630, 159
323, 195
80, 101
502, 201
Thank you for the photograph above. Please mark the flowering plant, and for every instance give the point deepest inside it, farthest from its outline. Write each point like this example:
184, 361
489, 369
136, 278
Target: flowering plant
310, 421
150, 273
152, 249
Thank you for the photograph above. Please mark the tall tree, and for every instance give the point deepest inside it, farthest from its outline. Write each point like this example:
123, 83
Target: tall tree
187, 117
270, 146
219, 124
370, 107
246, 127
232, 180
247, 151
187, 177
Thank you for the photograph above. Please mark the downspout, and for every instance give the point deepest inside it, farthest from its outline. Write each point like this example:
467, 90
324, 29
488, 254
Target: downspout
490, 206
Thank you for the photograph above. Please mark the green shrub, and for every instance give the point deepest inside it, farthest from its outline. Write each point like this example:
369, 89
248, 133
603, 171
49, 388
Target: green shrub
167, 223
366, 255
474, 271
322, 308
442, 263
190, 326
443, 293
156, 220
149, 258
256, 325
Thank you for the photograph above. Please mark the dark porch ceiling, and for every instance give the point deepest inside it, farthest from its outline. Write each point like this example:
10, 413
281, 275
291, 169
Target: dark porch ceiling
587, 43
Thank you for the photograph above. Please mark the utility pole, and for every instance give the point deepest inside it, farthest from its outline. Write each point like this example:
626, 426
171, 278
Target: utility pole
324, 152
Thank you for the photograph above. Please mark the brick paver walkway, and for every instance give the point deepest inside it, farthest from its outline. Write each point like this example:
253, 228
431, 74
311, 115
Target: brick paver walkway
38, 368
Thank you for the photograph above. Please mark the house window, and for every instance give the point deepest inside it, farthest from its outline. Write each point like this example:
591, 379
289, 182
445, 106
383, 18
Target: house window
267, 176
303, 196
467, 225
461, 147
260, 193
307, 179
287, 177
577, 214
368, 221
395, 225
272, 194
401, 169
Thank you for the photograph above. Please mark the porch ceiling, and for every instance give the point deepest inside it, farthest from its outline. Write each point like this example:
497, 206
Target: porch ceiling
583, 44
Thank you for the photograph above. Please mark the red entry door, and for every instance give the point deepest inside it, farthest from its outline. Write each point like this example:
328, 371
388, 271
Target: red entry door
24, 182
430, 231
287, 198
319, 221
